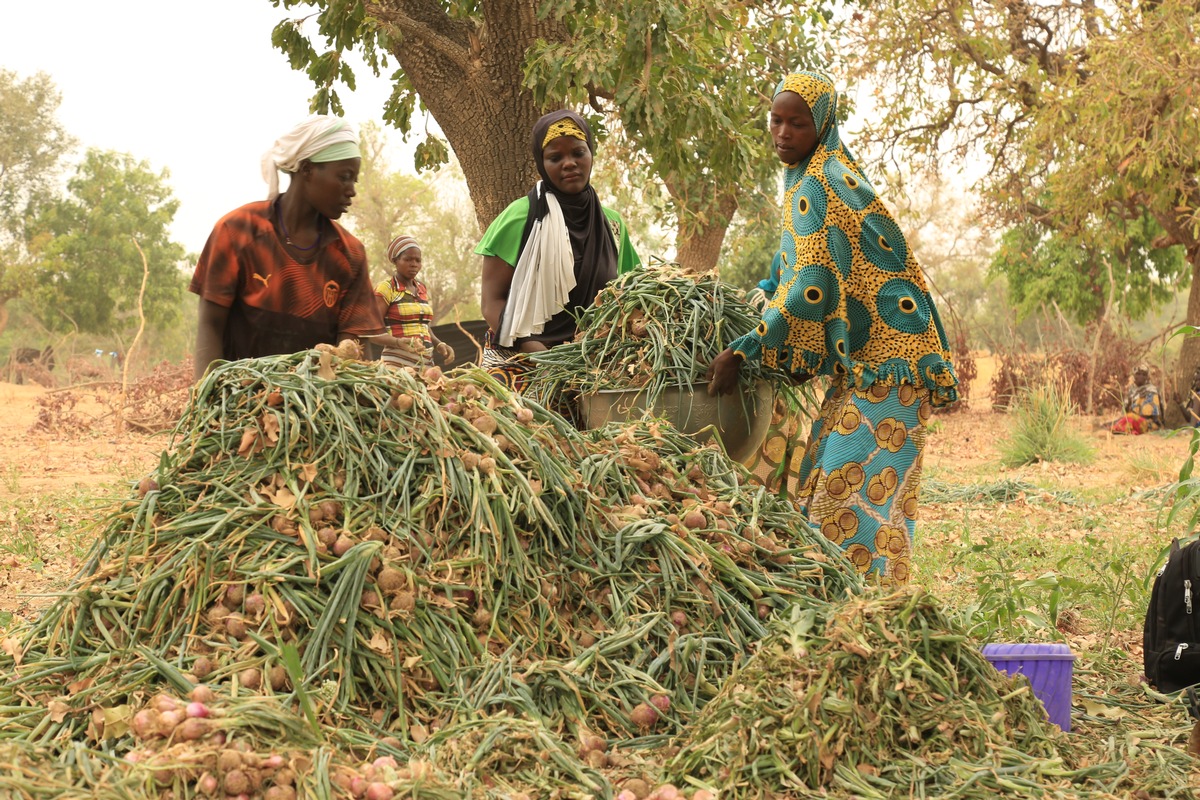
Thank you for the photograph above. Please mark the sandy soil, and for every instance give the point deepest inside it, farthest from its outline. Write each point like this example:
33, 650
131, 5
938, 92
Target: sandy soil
91, 453
61, 478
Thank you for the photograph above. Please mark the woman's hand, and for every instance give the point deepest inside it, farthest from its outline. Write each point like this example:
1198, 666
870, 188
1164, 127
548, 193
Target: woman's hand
722, 374
445, 351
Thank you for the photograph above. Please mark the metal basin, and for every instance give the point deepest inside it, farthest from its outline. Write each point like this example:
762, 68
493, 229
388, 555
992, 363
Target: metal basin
739, 420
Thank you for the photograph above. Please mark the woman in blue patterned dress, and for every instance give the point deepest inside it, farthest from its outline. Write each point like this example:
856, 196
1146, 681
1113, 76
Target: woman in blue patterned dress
852, 304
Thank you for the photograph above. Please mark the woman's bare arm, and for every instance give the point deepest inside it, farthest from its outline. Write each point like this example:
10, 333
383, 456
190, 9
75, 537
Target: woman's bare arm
494, 285
210, 336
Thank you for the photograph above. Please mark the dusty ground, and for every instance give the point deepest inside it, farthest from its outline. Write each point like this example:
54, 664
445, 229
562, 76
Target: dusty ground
53, 483
90, 455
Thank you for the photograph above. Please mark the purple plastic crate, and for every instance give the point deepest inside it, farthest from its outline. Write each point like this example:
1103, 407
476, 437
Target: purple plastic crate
1048, 668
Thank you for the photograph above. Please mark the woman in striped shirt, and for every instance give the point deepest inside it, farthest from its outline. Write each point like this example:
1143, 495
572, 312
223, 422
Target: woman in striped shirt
404, 303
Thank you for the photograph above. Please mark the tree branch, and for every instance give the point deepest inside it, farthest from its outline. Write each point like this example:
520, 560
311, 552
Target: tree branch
439, 32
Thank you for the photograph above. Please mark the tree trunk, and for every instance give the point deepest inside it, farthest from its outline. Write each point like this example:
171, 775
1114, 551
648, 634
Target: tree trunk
469, 75
1189, 353
699, 246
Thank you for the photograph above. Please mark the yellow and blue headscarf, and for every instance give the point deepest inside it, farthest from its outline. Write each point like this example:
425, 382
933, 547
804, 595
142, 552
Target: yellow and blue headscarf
852, 300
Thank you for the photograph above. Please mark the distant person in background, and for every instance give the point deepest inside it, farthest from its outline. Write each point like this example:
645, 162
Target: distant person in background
1191, 408
548, 254
403, 302
280, 275
1143, 405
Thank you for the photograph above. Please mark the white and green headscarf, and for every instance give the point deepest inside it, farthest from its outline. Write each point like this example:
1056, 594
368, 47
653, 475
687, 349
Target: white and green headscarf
318, 139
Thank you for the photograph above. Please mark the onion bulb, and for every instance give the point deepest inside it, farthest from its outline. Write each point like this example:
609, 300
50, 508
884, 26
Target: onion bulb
236, 782
192, 729
254, 605
234, 594
390, 580
644, 715
250, 679
201, 693
207, 784
145, 723
379, 791
278, 678
229, 760
202, 667
196, 709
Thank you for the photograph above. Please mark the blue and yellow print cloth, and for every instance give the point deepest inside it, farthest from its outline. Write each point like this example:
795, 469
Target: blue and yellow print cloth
861, 475
852, 300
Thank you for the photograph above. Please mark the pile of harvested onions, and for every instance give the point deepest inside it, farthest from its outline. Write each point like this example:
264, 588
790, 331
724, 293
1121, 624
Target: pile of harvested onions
653, 330
884, 696
347, 582
397, 554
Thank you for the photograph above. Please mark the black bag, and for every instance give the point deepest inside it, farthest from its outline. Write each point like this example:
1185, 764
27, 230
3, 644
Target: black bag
1171, 634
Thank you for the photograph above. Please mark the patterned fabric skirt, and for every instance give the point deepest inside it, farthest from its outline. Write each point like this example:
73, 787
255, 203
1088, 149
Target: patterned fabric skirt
509, 366
396, 357
776, 465
861, 474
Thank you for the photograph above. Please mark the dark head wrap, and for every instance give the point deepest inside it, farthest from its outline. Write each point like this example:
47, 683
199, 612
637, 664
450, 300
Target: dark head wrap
592, 241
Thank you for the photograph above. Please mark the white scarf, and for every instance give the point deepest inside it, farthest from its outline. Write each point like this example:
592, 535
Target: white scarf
304, 141
543, 279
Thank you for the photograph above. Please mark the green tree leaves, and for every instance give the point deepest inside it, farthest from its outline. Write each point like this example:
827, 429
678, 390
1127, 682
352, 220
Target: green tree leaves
86, 270
1046, 268
690, 84
32, 142
431, 209
684, 85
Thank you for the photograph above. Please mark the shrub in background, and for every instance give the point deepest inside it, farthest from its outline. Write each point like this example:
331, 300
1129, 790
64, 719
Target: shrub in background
1018, 368
1041, 429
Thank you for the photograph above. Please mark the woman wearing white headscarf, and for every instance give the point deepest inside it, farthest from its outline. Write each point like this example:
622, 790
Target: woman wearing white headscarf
280, 275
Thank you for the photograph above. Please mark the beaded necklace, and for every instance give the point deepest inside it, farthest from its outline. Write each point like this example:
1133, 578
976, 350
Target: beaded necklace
287, 237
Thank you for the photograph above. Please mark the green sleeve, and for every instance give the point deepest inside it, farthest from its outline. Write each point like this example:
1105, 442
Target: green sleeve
503, 237
627, 257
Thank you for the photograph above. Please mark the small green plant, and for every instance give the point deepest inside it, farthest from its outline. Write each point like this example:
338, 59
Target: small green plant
12, 479
1004, 490
1146, 467
1042, 430
1005, 606
1111, 586
23, 543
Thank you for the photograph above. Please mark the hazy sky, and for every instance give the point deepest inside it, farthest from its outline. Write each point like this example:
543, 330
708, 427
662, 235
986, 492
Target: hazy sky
195, 88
